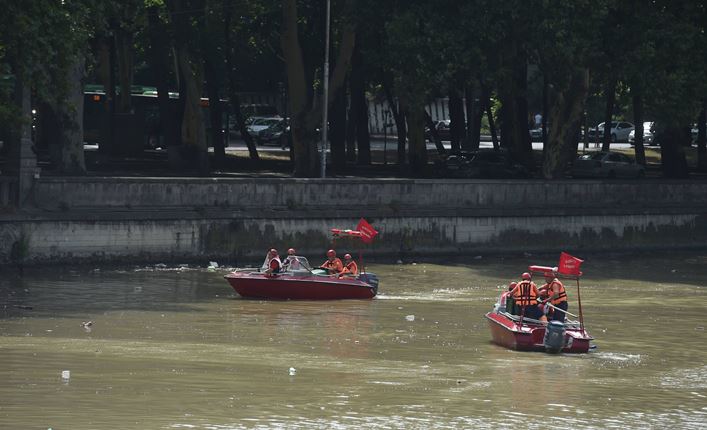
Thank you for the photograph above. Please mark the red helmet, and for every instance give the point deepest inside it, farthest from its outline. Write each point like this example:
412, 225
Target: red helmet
273, 251
331, 253
549, 275
512, 285
347, 257
525, 276
291, 251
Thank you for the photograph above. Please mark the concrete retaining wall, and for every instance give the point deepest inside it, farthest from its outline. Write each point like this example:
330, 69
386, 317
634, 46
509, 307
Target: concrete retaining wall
235, 220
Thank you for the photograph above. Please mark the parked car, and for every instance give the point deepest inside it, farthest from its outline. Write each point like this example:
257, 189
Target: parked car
276, 134
442, 128
484, 163
259, 124
648, 134
606, 165
619, 131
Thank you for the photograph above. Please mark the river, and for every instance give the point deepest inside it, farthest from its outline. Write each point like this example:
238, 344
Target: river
173, 347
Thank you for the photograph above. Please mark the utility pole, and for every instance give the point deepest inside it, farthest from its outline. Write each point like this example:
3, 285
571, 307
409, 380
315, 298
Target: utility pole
325, 107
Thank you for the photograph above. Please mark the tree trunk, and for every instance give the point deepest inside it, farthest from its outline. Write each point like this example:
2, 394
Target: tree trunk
473, 130
457, 124
304, 141
398, 112
435, 135
158, 59
514, 107
305, 111
672, 139
72, 155
608, 112
213, 83
351, 127
233, 97
338, 131
565, 115
638, 120
702, 138
193, 133
125, 57
489, 115
417, 153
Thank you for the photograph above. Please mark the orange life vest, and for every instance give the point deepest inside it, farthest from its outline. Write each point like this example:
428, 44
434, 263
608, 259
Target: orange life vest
525, 294
334, 266
562, 297
351, 268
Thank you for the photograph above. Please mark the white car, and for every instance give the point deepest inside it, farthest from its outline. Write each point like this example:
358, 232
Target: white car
619, 131
648, 137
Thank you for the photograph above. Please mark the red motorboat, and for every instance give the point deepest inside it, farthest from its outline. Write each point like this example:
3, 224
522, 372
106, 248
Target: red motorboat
303, 283
526, 334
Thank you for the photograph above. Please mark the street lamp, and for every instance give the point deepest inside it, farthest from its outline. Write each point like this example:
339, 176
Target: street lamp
325, 106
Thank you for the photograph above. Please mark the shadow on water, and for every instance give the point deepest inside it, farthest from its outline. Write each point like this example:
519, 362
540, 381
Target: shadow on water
80, 290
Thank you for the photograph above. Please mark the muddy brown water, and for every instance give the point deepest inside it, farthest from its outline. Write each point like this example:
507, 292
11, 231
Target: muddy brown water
176, 348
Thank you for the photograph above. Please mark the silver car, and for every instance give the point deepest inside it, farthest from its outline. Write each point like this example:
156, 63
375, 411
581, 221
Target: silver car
606, 165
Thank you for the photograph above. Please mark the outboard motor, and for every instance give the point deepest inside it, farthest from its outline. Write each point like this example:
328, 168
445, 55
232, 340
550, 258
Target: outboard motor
554, 339
369, 278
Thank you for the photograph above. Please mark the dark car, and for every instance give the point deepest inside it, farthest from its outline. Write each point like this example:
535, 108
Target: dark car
442, 128
484, 163
276, 134
606, 165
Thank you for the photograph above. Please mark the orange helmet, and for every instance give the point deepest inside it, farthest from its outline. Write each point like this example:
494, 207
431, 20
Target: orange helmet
525, 276
331, 253
291, 251
347, 257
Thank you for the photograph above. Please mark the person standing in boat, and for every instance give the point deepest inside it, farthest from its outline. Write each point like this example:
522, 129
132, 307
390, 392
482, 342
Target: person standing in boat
525, 294
350, 267
332, 264
556, 295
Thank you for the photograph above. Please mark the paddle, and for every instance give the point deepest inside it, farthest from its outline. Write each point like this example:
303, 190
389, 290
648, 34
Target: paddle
561, 310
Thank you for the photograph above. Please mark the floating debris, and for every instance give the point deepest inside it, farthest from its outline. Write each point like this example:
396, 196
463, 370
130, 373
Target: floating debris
410, 317
292, 371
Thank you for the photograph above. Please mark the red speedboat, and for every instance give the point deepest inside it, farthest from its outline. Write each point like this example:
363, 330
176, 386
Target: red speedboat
526, 334
303, 283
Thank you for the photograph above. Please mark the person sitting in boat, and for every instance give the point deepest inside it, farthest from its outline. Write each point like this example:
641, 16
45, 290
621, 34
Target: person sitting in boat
507, 298
554, 292
332, 264
291, 262
350, 267
272, 262
525, 294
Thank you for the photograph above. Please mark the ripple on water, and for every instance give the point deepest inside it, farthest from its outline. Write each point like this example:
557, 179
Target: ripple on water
691, 379
617, 358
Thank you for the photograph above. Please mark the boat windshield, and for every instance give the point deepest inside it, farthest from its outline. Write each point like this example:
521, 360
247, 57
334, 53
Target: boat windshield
295, 263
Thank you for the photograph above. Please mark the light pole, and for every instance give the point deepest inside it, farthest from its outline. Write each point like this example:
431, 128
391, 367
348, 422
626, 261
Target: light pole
325, 106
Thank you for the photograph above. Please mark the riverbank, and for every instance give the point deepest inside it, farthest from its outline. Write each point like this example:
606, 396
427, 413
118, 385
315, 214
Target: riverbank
101, 219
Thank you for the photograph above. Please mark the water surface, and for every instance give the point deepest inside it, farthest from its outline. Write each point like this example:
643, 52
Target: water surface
176, 348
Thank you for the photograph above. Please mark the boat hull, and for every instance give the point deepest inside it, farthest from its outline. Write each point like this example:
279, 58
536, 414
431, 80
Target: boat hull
529, 337
257, 285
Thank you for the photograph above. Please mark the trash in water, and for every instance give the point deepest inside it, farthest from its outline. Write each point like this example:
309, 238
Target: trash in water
160, 265
87, 323
137, 289
65, 375
410, 317
292, 371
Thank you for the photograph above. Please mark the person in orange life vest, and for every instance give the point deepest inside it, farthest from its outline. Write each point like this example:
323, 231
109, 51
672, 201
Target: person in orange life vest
555, 293
272, 252
525, 294
332, 264
350, 267
273, 263
291, 262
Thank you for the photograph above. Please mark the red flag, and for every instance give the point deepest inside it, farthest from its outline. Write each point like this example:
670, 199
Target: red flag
367, 231
569, 265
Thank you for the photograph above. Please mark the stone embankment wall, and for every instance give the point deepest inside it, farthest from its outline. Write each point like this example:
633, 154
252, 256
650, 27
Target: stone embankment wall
236, 220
